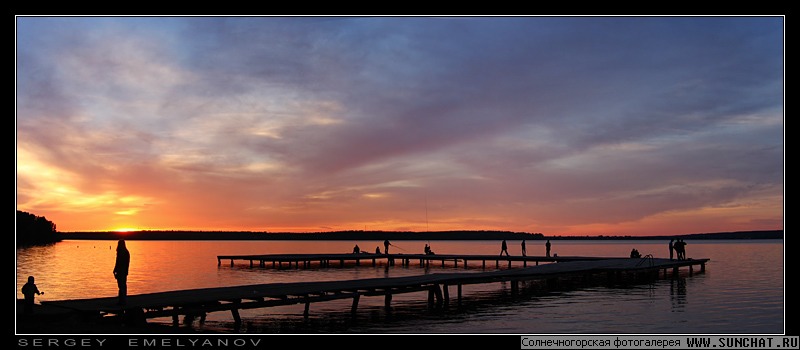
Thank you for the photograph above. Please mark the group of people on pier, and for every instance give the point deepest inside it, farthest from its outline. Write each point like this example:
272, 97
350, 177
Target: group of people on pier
676, 247
679, 249
504, 248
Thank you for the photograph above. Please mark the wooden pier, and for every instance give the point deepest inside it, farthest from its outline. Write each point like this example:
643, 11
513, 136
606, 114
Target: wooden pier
340, 260
198, 302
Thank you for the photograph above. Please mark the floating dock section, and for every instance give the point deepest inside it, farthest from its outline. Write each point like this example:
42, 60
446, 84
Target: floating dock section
341, 260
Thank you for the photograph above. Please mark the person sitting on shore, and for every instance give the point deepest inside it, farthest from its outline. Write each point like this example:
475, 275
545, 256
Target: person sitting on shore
29, 290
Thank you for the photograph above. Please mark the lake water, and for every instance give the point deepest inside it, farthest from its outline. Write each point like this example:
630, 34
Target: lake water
741, 291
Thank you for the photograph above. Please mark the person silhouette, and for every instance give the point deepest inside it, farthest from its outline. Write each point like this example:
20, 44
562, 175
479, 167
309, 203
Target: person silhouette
635, 253
29, 290
547, 248
386, 245
524, 250
121, 271
680, 248
356, 249
377, 250
671, 248
503, 248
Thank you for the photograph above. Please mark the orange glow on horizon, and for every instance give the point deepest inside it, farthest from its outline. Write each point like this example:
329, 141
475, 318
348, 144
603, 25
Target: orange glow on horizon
126, 229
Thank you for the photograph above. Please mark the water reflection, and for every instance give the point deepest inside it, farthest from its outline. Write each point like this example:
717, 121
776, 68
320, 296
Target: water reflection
677, 293
743, 289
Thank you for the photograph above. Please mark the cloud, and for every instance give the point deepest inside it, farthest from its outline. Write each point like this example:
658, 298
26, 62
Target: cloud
285, 121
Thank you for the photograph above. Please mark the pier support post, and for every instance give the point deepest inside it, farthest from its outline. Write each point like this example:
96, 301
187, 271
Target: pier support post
514, 287
484, 264
373, 261
237, 320
703, 267
261, 263
446, 292
354, 308
219, 262
231, 262
251, 263
435, 298
305, 310
442, 262
455, 262
524, 263
387, 302
691, 269
459, 294
175, 317
537, 262
465, 263
509, 263
497, 264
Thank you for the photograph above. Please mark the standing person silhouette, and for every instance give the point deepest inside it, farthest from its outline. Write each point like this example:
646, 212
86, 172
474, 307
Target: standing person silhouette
680, 248
671, 248
121, 271
547, 248
504, 248
386, 245
29, 290
524, 250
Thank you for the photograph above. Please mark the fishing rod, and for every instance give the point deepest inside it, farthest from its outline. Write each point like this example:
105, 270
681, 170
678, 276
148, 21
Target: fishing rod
393, 245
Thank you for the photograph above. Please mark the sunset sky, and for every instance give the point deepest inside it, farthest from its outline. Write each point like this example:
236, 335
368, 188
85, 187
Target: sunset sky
585, 125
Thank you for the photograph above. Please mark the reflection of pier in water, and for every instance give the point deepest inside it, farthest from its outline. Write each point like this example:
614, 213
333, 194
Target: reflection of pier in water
198, 302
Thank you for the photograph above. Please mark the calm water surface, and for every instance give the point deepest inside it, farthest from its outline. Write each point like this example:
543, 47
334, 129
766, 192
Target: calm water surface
742, 290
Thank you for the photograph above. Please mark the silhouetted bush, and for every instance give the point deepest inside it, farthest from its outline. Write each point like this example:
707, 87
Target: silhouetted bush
33, 230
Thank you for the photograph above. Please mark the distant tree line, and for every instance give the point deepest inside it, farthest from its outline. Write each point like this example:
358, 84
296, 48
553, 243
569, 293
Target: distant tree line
353, 235
34, 230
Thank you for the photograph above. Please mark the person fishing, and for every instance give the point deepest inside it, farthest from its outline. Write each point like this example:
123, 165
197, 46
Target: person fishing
386, 245
29, 290
547, 248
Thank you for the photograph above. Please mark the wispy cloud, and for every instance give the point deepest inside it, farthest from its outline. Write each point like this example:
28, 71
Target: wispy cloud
567, 124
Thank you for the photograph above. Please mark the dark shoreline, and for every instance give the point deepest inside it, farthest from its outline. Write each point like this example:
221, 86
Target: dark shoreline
392, 236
